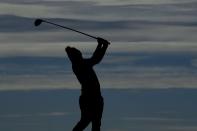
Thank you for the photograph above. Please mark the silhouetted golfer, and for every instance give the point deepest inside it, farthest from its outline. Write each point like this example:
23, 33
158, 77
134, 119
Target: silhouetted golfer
91, 102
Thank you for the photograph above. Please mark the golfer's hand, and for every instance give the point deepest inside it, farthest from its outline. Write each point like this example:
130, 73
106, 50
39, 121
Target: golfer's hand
102, 41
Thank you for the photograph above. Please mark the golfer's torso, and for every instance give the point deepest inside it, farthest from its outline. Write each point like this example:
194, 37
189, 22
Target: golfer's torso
87, 78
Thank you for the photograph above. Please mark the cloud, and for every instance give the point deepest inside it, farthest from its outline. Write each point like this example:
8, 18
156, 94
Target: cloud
134, 65
118, 50
125, 31
27, 10
104, 2
141, 2
131, 70
81, 10
156, 119
22, 30
146, 36
173, 21
182, 128
49, 114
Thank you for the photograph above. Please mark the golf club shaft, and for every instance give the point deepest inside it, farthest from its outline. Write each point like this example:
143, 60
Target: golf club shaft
70, 29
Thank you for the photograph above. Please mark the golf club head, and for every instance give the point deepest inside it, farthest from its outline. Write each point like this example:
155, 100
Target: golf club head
38, 22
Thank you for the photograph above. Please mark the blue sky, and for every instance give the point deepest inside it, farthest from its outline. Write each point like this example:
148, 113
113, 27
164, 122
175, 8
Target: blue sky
153, 43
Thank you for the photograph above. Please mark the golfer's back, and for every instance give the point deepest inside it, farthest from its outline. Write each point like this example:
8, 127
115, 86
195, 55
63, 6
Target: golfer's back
85, 73
87, 78
91, 102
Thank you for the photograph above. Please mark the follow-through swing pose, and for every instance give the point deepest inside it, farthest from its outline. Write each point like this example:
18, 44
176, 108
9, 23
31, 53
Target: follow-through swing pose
91, 101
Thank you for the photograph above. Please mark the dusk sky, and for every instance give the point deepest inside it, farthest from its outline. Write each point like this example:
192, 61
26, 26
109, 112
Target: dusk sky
153, 42
151, 62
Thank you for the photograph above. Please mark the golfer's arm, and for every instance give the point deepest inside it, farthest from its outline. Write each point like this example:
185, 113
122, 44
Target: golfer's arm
98, 53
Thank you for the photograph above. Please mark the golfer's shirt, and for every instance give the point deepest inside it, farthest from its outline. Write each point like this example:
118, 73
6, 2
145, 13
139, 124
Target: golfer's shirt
87, 78
85, 73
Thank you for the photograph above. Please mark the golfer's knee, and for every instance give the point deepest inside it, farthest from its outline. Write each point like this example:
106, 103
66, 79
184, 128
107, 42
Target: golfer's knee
96, 128
96, 125
76, 129
81, 125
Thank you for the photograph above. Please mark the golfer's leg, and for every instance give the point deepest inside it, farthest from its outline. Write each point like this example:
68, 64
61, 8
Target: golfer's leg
85, 115
81, 125
96, 125
96, 121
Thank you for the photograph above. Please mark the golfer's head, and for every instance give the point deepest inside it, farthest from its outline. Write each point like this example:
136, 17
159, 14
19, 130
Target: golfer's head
73, 54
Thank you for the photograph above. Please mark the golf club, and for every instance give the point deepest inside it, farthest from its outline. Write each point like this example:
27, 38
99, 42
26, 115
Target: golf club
40, 21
